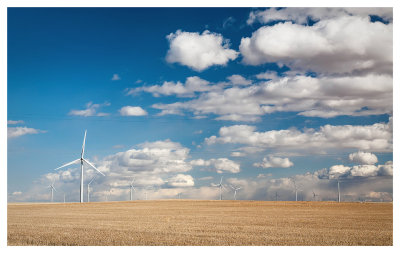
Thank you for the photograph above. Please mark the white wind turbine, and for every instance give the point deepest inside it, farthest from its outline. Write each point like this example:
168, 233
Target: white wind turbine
338, 188
88, 189
235, 189
220, 188
81, 160
296, 188
52, 188
314, 195
132, 188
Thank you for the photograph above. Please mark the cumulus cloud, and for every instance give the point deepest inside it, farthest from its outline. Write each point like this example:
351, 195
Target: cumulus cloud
199, 51
193, 85
238, 80
363, 158
267, 75
181, 180
14, 132
309, 96
338, 170
155, 158
364, 170
132, 111
301, 15
365, 137
220, 165
91, 110
340, 45
274, 162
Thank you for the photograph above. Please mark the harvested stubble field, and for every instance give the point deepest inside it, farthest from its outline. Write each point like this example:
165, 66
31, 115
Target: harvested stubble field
197, 222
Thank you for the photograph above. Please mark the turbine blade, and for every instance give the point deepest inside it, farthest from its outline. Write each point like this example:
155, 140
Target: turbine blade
53, 188
83, 145
93, 166
91, 180
77, 160
220, 182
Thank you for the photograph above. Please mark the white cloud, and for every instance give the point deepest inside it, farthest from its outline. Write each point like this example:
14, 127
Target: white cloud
132, 111
267, 75
238, 80
309, 96
115, 77
274, 162
219, 165
199, 51
14, 122
363, 158
368, 137
14, 132
237, 154
181, 180
156, 158
337, 170
386, 169
340, 45
91, 110
193, 85
364, 170
16, 193
301, 15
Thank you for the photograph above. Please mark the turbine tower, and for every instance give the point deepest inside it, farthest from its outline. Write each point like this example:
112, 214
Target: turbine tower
220, 188
314, 195
338, 189
132, 188
235, 189
88, 189
81, 160
296, 188
276, 196
52, 188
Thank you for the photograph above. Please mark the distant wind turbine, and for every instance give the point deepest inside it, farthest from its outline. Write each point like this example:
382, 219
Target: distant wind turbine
52, 188
296, 188
88, 189
338, 188
276, 196
81, 160
132, 188
314, 195
235, 189
220, 188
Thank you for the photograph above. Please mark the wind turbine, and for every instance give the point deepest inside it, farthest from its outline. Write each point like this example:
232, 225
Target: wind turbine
220, 188
296, 188
132, 188
235, 189
276, 196
338, 189
81, 160
52, 188
314, 195
88, 189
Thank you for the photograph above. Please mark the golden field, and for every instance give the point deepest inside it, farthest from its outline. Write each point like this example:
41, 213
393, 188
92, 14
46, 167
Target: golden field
198, 222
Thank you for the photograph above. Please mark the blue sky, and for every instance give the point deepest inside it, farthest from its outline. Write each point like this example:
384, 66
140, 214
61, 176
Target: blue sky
178, 97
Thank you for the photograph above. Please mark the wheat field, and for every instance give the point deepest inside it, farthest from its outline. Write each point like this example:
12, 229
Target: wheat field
198, 222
